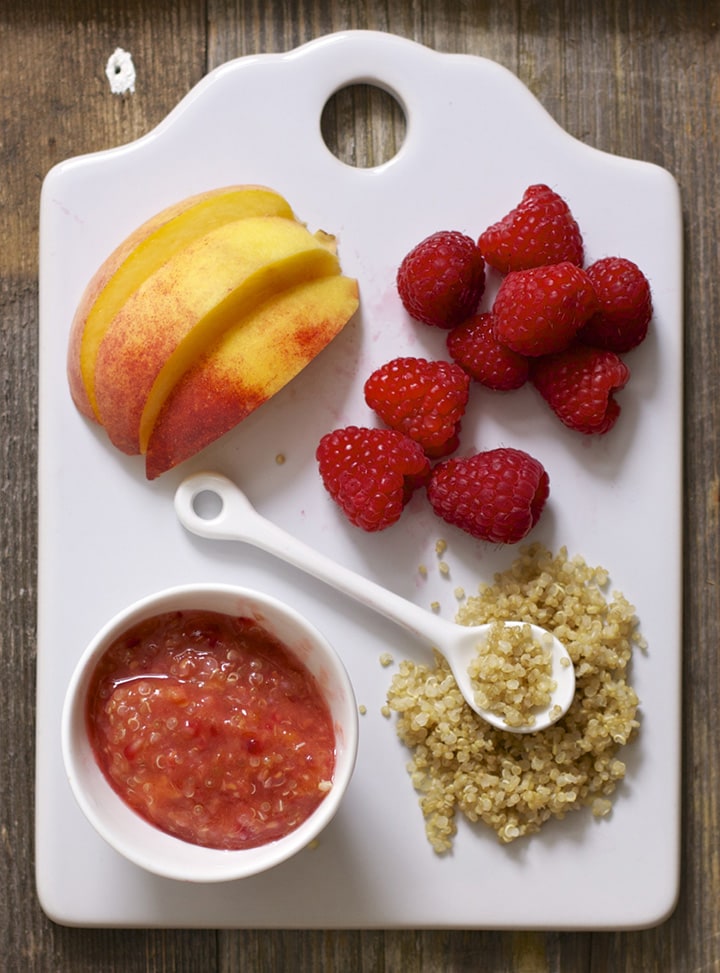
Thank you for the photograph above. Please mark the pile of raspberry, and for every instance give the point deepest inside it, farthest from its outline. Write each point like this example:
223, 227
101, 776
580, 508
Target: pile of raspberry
554, 322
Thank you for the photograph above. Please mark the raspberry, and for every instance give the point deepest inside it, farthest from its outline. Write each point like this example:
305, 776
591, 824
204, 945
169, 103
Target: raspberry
540, 230
578, 385
625, 305
441, 280
371, 473
496, 496
423, 399
475, 348
539, 311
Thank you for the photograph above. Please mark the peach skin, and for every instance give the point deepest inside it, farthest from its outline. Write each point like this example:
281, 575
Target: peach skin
249, 364
143, 252
175, 315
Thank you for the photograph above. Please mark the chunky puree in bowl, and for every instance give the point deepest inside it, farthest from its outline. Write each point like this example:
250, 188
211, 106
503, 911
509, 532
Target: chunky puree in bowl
211, 729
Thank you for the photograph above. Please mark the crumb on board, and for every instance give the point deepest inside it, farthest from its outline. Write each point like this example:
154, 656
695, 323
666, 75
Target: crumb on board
386, 659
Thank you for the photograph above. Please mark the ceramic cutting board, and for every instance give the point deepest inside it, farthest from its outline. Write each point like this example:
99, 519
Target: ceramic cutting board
108, 537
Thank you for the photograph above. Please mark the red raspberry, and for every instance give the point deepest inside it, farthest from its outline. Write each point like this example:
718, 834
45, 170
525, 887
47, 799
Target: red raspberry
475, 348
423, 399
371, 473
578, 384
442, 279
496, 496
540, 230
625, 305
539, 311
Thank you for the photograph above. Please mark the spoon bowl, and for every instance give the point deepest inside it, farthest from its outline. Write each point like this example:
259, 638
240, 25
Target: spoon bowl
234, 518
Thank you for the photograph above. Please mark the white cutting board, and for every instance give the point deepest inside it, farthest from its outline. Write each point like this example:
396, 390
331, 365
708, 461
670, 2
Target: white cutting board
476, 138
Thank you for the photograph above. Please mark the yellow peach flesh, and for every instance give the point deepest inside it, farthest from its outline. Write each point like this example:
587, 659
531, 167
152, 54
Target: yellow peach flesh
169, 321
248, 365
139, 256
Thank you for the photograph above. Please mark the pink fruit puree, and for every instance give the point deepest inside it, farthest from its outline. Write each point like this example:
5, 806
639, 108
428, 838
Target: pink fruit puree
210, 729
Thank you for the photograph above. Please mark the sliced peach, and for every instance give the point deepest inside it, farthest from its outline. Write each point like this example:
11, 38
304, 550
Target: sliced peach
146, 249
171, 320
247, 366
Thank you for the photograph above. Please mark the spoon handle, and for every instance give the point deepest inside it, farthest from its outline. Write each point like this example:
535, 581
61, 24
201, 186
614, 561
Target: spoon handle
238, 520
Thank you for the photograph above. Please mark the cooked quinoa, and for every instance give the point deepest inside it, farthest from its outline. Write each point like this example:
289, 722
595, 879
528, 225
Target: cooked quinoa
516, 782
511, 675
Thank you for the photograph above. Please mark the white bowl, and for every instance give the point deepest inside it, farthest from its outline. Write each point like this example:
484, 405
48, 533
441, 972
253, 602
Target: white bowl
123, 828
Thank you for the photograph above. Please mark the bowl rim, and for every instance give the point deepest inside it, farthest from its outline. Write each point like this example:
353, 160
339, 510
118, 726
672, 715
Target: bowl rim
141, 842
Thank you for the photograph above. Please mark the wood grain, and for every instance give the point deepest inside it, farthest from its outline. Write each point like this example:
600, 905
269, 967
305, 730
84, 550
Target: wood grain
637, 78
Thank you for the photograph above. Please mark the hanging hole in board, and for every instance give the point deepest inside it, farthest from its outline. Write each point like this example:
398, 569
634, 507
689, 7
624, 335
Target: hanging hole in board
363, 125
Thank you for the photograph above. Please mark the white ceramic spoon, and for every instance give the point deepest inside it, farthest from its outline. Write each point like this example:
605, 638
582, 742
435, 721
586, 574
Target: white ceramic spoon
236, 519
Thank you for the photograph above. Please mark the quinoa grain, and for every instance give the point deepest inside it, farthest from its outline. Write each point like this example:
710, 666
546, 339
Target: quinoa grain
512, 674
515, 783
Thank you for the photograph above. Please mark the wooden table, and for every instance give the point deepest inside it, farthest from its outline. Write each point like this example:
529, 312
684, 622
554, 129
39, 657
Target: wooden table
636, 78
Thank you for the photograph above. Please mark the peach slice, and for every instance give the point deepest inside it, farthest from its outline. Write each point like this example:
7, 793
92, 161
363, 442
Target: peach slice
248, 365
186, 305
142, 253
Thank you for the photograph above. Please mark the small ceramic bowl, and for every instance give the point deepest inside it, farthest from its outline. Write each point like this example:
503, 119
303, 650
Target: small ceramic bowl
129, 833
